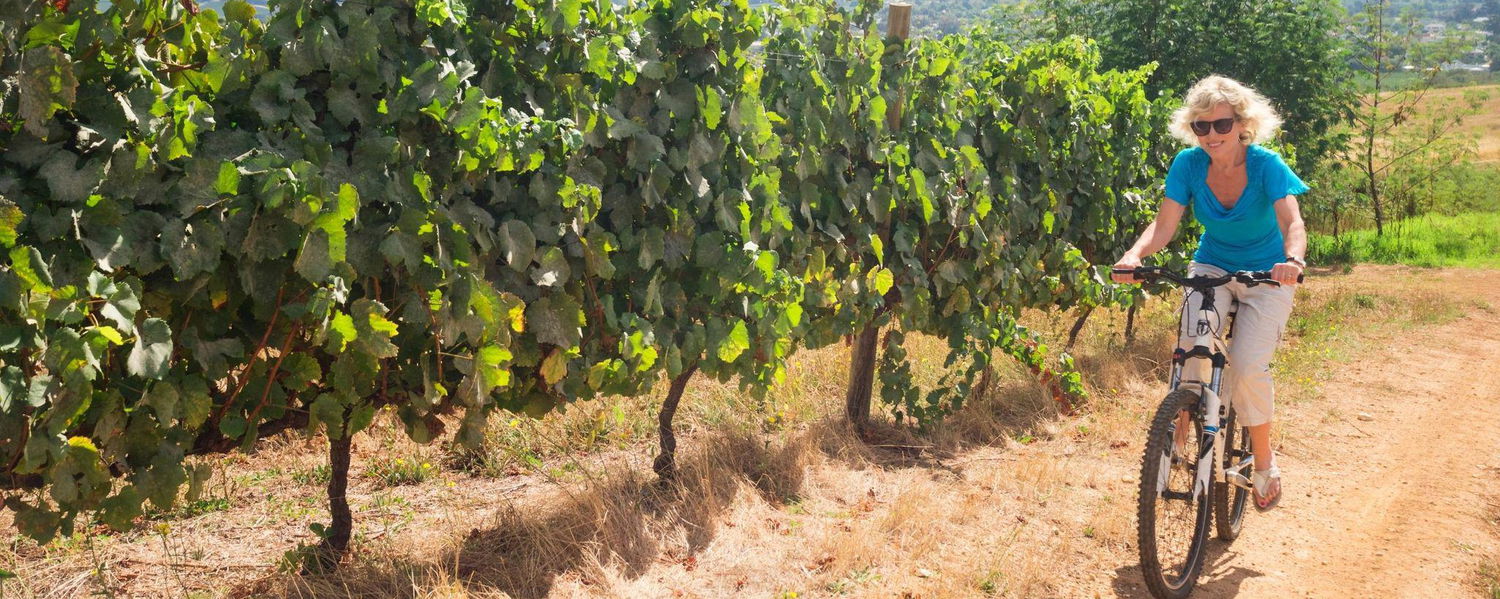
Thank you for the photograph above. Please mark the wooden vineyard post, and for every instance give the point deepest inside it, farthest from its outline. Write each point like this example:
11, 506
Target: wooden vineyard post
897, 26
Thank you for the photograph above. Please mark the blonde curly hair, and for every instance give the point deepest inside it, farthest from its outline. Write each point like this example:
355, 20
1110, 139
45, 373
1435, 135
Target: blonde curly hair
1252, 109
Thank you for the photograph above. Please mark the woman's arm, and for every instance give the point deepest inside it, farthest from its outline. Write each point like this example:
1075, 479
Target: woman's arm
1156, 236
1294, 236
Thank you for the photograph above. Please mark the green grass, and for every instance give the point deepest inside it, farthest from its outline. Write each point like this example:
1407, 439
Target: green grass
315, 476
393, 472
190, 509
1467, 240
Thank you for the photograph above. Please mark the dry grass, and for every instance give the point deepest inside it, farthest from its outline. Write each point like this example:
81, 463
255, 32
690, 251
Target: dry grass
1487, 577
1484, 125
776, 497
617, 524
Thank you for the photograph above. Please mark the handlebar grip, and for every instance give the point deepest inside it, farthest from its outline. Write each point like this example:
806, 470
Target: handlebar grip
1265, 276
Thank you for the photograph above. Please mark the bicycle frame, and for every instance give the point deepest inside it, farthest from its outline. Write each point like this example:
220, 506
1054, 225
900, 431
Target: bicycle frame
1207, 344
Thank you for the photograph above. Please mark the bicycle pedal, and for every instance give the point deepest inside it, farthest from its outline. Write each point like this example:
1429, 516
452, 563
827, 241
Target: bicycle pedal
1238, 480
1244, 465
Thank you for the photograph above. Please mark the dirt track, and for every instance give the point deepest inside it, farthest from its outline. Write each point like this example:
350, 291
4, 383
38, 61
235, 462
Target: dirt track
1396, 497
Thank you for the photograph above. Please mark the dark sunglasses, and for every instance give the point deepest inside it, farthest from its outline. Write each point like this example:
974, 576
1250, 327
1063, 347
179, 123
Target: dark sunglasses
1223, 125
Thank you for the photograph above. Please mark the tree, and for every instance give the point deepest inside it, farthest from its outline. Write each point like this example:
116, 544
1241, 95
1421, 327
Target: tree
1491, 10
1393, 131
1030, 21
1286, 49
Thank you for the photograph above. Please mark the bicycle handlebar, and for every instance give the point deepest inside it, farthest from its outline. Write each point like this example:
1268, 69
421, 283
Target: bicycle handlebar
1249, 278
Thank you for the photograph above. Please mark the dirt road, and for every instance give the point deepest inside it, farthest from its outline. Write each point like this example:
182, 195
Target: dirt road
1394, 496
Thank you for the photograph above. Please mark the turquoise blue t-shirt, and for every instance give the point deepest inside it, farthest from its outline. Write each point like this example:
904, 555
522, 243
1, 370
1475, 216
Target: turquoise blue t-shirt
1245, 237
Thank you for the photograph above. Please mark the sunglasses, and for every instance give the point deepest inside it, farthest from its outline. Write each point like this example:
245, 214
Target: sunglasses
1200, 128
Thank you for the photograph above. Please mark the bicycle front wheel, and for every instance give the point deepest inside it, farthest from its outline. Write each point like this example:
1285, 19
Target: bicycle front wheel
1173, 521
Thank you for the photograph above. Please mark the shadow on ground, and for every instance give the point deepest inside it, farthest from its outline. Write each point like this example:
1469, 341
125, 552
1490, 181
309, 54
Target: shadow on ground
626, 518
1220, 577
1011, 405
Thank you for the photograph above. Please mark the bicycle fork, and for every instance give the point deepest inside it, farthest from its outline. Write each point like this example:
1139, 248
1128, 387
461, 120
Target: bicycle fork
1211, 446
1214, 443
1211, 449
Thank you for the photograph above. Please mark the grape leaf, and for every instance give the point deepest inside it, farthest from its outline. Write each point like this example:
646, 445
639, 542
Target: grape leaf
153, 349
734, 343
517, 244
552, 270
556, 319
47, 83
554, 367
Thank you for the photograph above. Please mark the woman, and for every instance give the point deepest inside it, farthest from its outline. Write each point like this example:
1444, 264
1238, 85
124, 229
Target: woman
1245, 197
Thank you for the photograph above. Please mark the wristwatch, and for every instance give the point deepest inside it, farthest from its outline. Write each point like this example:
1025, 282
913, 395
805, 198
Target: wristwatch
1298, 261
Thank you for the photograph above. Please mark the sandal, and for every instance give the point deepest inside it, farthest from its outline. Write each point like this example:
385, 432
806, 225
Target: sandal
1267, 488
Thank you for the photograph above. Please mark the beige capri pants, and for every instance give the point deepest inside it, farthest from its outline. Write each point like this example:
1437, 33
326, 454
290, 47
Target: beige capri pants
1258, 326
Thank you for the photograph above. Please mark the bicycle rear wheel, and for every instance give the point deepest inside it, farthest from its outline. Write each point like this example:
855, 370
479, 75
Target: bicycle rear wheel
1173, 523
1230, 500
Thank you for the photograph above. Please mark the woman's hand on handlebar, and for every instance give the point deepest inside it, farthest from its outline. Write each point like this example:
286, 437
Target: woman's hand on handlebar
1286, 273
1126, 262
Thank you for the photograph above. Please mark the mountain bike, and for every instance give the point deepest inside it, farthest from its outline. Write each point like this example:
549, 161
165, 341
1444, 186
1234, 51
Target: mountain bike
1197, 461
